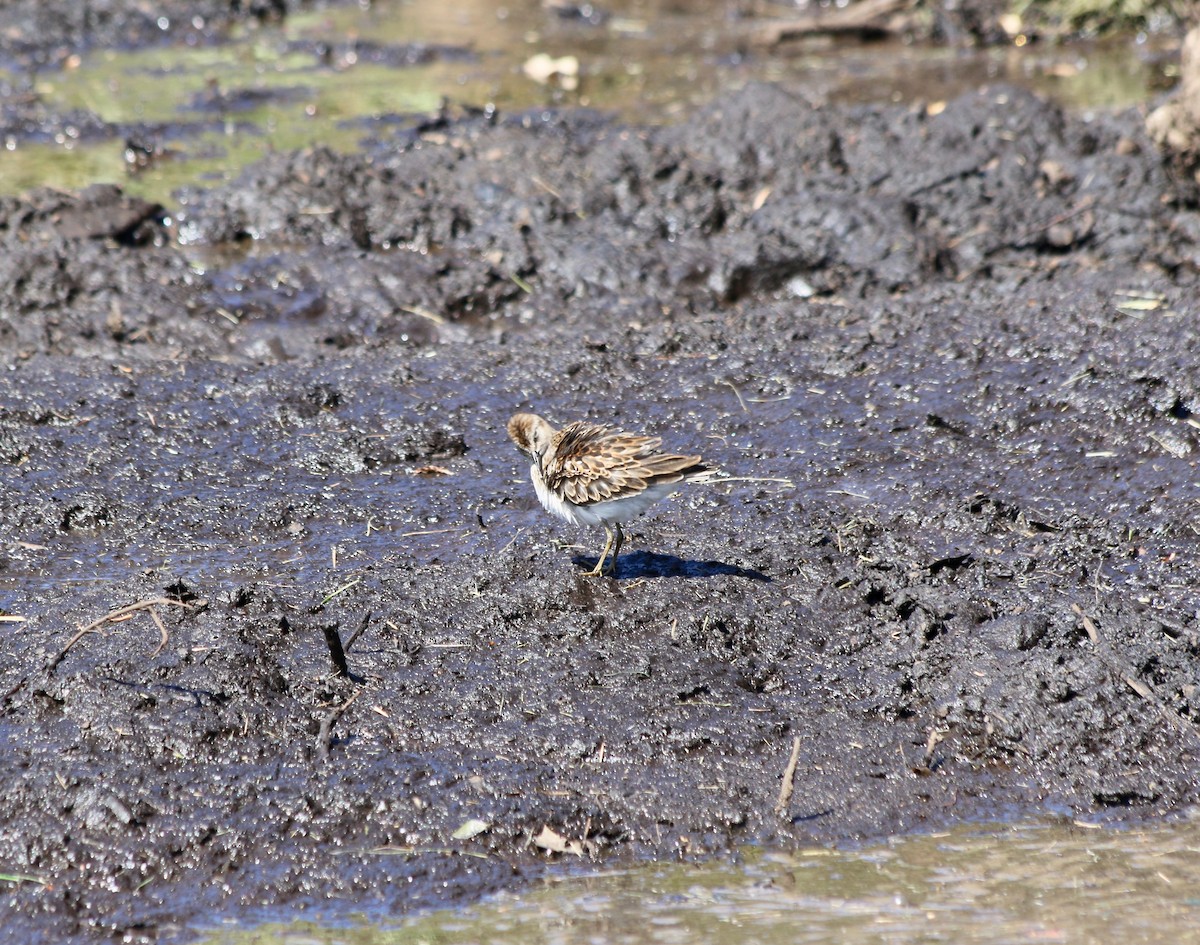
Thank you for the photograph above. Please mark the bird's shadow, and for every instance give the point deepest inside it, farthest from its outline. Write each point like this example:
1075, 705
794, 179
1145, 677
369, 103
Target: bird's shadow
647, 564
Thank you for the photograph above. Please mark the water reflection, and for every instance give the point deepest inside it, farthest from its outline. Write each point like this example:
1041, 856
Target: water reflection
971, 886
160, 118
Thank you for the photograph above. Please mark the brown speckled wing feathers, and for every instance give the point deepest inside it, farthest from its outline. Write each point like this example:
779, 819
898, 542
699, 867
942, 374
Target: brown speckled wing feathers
594, 463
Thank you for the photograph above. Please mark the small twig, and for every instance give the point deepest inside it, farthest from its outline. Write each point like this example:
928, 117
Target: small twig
325, 735
1118, 669
512, 541
162, 628
936, 736
1040, 228
361, 627
1088, 627
336, 653
546, 187
122, 612
113, 615
789, 777
1141, 688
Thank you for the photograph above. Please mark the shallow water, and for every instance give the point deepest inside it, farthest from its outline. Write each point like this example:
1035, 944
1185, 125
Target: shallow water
976, 884
324, 77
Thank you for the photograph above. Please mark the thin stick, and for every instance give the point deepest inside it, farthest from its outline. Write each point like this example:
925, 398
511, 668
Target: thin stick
361, 627
162, 629
512, 541
112, 615
1117, 668
71, 642
117, 614
336, 653
1088, 626
789, 778
325, 735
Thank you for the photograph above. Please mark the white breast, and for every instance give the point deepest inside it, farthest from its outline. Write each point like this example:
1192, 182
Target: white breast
600, 513
551, 502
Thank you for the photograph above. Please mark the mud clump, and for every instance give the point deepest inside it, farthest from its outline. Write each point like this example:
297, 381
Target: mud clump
949, 359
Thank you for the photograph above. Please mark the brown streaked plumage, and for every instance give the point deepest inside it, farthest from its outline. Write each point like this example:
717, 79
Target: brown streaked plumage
591, 474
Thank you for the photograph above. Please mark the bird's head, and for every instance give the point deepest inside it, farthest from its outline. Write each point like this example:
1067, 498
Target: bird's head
531, 433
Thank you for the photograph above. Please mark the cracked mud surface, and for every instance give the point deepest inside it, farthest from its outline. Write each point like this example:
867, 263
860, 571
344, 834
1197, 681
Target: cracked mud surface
951, 361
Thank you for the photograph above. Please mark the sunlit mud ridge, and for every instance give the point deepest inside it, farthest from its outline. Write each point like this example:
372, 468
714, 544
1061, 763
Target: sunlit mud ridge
285, 624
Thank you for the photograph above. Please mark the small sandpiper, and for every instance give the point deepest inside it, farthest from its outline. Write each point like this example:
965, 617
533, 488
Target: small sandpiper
591, 474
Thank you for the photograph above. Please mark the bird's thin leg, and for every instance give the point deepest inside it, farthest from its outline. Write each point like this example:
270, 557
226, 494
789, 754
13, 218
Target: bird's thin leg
612, 565
599, 568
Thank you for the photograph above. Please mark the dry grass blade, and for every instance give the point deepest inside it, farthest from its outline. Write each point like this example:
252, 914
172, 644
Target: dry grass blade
738, 394
341, 590
787, 483
413, 851
423, 313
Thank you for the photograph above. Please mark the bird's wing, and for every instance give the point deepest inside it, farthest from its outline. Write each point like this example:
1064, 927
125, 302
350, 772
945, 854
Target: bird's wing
593, 463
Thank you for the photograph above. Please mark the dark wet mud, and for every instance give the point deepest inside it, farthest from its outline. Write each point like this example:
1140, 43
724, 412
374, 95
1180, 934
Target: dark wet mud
948, 357
36, 33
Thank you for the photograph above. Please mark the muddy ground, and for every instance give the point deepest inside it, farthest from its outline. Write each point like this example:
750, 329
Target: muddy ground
949, 358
